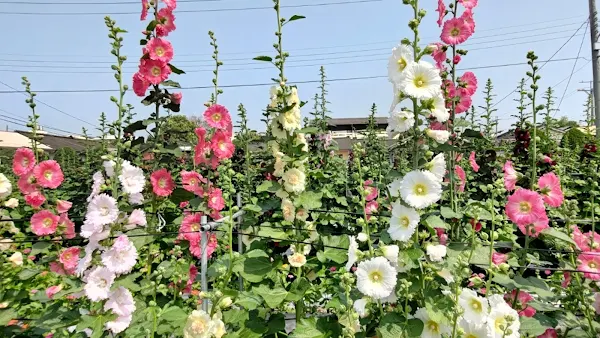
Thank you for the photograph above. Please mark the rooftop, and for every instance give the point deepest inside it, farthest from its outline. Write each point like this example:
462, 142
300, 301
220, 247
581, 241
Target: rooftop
11, 139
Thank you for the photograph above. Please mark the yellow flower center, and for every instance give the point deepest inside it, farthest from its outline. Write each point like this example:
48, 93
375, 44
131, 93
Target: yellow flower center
524, 207
222, 145
455, 32
199, 326
193, 181
500, 324
405, 221
48, 174
375, 276
216, 117
592, 265
293, 179
155, 71
102, 283
401, 64
419, 81
471, 336
104, 211
433, 326
162, 183
420, 190
25, 162
47, 222
195, 227
476, 305
159, 51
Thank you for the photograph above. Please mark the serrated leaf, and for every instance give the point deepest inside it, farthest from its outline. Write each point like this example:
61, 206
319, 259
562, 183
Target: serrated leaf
256, 266
307, 328
263, 58
552, 232
272, 296
309, 200
40, 247
449, 213
176, 70
298, 289
435, 222
174, 315
248, 300
171, 83
128, 282
531, 327
27, 274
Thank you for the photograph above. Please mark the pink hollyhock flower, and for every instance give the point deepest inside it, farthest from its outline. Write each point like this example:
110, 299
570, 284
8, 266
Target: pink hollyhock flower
48, 174
221, 145
154, 71
469, 4
456, 59
63, 206
372, 192
469, 82
184, 204
566, 281
160, 50
371, 208
455, 31
57, 268
193, 272
590, 241
23, 161
499, 258
192, 182
176, 98
215, 215
510, 176
536, 227
217, 116
137, 218
522, 300
190, 228
438, 54
215, 199
202, 153
162, 183
590, 265
441, 9
473, 163
549, 333
166, 21
476, 225
196, 249
140, 85
547, 159
144, 10
44, 223
442, 236
549, 185
69, 259
171, 4
464, 102
35, 199
51, 291
68, 225
525, 207
467, 16
27, 183
462, 176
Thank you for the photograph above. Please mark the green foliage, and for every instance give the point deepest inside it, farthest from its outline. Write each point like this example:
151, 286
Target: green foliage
574, 139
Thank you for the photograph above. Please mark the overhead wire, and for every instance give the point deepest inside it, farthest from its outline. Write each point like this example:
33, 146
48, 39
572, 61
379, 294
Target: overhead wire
573, 69
22, 120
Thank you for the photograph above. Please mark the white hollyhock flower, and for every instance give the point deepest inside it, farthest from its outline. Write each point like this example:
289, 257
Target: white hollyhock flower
398, 97
197, 325
297, 260
439, 136
288, 210
102, 210
360, 306
400, 121
403, 223
362, 237
120, 324
90, 228
390, 252
394, 187
421, 80
98, 284
474, 330
475, 307
420, 189
136, 199
121, 257
291, 120
137, 218
109, 167
98, 181
120, 301
217, 327
279, 167
294, 180
132, 179
376, 278
5, 243
437, 166
503, 321
12, 203
402, 56
84, 263
277, 130
436, 253
16, 259
439, 110
5, 187
391, 299
352, 253
431, 328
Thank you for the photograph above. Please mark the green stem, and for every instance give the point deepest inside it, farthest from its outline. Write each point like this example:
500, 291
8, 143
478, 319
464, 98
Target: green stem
491, 262
415, 105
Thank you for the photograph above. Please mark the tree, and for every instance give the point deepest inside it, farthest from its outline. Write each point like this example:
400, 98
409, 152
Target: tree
180, 129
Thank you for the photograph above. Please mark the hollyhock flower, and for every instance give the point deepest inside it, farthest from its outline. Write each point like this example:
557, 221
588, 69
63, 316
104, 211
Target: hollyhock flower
439, 110
192, 181
464, 101
524, 207
400, 121
590, 265
132, 178
137, 218
499, 258
474, 329
140, 84
402, 56
221, 145
136, 199
510, 176
120, 302
5, 244
288, 210
217, 116
294, 180
360, 306
534, 229
102, 210
436, 253
566, 281
98, 182
549, 185
162, 183
44, 223
431, 327
51, 291
522, 300
198, 325
352, 252
439, 136
475, 307
371, 207
35, 199
193, 272
438, 54
371, 191
190, 228
98, 284
441, 9
120, 324
297, 260
549, 333
16, 259
11, 203
57, 268
176, 98
597, 302
390, 252
215, 199
154, 71
475, 224
456, 59
48, 174
437, 166
109, 167
166, 21
497, 321
421, 80
455, 31
63, 206
121, 257
69, 258
376, 278
590, 241
403, 223
473, 163
469, 81
462, 176
442, 236
160, 50
420, 189
23, 161
469, 4
467, 16
144, 10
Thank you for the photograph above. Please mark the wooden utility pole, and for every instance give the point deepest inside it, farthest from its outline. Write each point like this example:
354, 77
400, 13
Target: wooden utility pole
595, 64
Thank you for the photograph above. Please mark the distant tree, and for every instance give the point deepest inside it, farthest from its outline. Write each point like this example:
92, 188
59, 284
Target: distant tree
180, 129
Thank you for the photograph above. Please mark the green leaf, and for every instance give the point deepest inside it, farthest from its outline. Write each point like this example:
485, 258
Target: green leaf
263, 58
176, 70
252, 207
331, 251
414, 328
435, 222
151, 25
530, 326
534, 285
481, 257
140, 238
128, 282
40, 247
309, 200
6, 315
248, 300
256, 266
449, 213
296, 17
171, 83
181, 195
298, 289
390, 326
309, 130
272, 296
135, 126
276, 324
268, 186
272, 232
306, 328
27, 274
472, 133
552, 232
174, 315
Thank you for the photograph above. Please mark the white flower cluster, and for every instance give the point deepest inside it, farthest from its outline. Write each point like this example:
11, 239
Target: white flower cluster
102, 219
418, 80
290, 119
482, 318
200, 325
5, 187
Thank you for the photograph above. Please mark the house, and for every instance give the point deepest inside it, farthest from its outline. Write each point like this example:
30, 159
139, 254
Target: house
11, 140
348, 131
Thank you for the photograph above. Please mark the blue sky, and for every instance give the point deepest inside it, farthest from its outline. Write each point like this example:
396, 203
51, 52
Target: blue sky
60, 52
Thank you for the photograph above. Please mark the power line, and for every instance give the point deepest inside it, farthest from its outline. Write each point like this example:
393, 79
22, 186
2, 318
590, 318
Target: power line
210, 10
573, 69
95, 3
21, 120
270, 83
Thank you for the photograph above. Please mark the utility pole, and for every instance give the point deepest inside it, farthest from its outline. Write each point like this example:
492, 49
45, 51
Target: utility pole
595, 65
